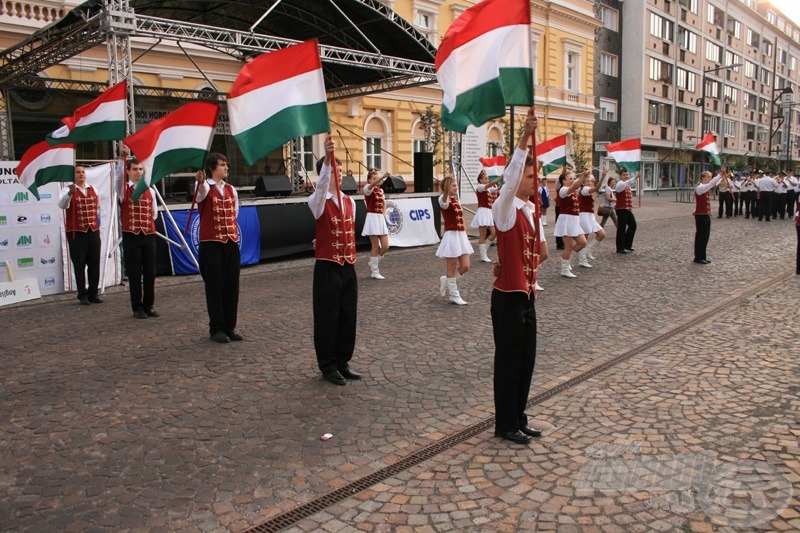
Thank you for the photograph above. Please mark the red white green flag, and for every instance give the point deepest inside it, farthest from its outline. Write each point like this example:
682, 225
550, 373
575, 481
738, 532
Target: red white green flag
276, 97
709, 144
102, 119
484, 63
627, 154
494, 166
552, 153
43, 163
173, 143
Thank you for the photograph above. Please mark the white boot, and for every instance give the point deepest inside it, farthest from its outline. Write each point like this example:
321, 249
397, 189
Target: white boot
566, 271
583, 260
537, 286
483, 249
590, 250
442, 285
454, 296
373, 267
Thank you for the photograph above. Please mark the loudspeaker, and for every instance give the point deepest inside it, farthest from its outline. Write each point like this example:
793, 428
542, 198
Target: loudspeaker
273, 186
423, 172
394, 185
349, 185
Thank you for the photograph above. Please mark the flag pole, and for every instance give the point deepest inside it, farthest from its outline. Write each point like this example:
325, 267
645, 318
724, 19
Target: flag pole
335, 174
194, 202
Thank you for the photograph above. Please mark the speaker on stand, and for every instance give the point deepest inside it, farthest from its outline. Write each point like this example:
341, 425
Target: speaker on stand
394, 185
273, 186
423, 172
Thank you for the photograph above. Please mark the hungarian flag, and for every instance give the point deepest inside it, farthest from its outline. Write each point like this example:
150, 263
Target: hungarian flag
484, 63
277, 97
102, 119
627, 154
43, 163
709, 144
175, 142
552, 154
494, 166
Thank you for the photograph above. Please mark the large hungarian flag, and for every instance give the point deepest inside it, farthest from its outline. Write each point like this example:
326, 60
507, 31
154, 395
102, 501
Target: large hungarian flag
175, 142
277, 97
553, 153
102, 119
484, 63
494, 166
709, 144
43, 163
627, 154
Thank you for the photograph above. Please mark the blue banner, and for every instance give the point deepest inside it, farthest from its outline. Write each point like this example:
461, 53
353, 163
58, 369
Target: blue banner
249, 239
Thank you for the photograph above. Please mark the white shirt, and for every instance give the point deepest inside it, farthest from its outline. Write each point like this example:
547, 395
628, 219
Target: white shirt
767, 184
64, 199
118, 185
316, 202
705, 187
504, 209
205, 188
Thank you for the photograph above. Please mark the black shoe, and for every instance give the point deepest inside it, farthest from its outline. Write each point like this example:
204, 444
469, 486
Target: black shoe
630, 250
151, 312
623, 252
349, 374
335, 377
701, 261
84, 301
707, 261
234, 335
139, 314
531, 432
515, 436
220, 337
95, 299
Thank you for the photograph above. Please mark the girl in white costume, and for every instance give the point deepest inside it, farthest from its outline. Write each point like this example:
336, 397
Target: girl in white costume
455, 248
486, 191
568, 224
375, 224
588, 221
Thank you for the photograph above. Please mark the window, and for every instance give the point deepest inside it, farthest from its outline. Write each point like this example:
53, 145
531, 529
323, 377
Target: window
685, 79
729, 128
772, 17
750, 132
659, 113
418, 145
782, 56
750, 101
426, 20
610, 18
766, 48
751, 70
753, 38
734, 28
687, 40
684, 118
792, 63
307, 152
608, 64
713, 52
732, 59
762, 105
731, 94
374, 152
714, 15
660, 70
712, 89
608, 109
691, 5
571, 72
765, 77
661, 27
712, 123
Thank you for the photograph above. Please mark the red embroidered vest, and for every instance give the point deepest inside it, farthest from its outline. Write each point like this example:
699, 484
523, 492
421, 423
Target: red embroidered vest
137, 217
453, 216
570, 205
486, 199
586, 203
702, 204
375, 201
517, 253
218, 216
625, 199
336, 233
82, 212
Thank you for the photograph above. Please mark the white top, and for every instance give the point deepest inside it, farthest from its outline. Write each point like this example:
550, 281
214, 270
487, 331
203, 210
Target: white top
622, 185
767, 184
316, 202
703, 188
205, 188
118, 185
504, 209
64, 198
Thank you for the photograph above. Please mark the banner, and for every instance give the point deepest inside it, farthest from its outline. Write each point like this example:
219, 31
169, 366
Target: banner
410, 222
249, 239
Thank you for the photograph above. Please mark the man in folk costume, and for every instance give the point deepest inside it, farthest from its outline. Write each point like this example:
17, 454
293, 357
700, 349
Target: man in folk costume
219, 256
626, 229
82, 226
138, 236
702, 213
335, 290
513, 310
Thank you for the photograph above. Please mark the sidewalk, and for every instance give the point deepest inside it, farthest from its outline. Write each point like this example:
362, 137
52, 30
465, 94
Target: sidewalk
111, 423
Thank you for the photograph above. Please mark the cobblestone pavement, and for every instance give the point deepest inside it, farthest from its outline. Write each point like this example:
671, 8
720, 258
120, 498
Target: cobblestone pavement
111, 423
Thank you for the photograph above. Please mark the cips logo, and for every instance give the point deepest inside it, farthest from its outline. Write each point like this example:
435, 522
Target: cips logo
25, 262
394, 218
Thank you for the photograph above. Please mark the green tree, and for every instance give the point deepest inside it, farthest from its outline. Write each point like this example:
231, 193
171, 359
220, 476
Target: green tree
431, 125
581, 149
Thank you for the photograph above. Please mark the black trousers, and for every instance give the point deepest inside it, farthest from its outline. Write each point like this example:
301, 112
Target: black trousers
791, 199
626, 229
514, 328
779, 205
725, 200
798, 251
559, 240
765, 205
702, 224
750, 205
84, 252
737, 203
220, 264
140, 265
335, 302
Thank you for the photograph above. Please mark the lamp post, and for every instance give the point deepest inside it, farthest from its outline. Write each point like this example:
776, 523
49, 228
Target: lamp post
785, 91
702, 101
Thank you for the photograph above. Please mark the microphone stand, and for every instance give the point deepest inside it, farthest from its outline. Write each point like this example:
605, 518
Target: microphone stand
349, 158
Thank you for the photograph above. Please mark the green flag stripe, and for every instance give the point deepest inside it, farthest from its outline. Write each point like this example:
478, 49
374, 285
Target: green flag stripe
51, 174
102, 131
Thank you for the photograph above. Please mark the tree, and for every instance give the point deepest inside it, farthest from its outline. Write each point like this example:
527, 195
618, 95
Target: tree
581, 150
432, 128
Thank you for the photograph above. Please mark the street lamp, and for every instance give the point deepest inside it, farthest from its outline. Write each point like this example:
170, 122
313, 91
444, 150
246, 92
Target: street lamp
702, 100
785, 91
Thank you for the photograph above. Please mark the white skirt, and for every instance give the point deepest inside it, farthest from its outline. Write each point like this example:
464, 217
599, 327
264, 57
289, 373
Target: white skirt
483, 217
567, 226
589, 223
375, 224
454, 244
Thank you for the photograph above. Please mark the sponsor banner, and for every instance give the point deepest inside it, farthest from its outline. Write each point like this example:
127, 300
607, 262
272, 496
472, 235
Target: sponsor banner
249, 239
411, 222
473, 147
30, 241
12, 292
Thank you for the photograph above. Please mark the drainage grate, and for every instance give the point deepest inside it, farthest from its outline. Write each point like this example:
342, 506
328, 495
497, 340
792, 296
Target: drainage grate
291, 517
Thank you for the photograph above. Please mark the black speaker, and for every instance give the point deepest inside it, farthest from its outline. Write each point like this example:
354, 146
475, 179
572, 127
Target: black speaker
273, 186
423, 172
349, 185
394, 185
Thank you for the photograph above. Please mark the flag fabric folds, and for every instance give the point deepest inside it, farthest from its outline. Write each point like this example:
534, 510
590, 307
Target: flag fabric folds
484, 63
494, 166
627, 154
43, 163
175, 142
276, 97
709, 144
102, 119
552, 153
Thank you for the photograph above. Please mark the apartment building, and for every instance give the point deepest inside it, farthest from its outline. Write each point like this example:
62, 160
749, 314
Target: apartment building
726, 66
608, 79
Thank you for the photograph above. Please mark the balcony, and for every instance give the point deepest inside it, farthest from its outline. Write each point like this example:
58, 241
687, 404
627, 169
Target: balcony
562, 97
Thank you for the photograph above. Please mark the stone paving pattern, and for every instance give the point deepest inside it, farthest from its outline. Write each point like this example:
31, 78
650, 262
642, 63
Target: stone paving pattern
111, 423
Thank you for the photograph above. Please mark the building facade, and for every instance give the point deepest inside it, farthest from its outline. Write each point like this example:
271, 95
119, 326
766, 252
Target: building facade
608, 80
